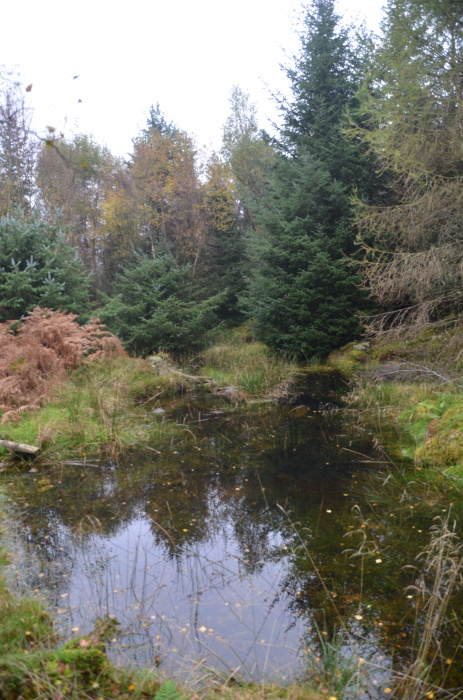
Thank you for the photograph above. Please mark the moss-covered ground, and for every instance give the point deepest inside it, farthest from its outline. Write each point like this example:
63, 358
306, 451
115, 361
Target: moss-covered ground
409, 394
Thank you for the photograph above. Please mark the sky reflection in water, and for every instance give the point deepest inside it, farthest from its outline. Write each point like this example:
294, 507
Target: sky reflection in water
193, 555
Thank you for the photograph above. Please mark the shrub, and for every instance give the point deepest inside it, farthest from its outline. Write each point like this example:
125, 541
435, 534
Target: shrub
158, 307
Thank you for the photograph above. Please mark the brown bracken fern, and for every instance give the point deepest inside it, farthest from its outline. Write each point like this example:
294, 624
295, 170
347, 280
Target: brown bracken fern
36, 353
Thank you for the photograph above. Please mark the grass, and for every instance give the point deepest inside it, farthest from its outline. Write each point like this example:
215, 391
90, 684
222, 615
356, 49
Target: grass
251, 368
409, 395
102, 408
440, 577
419, 421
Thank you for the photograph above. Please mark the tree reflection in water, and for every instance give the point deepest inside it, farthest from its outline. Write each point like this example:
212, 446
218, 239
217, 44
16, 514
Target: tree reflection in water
192, 553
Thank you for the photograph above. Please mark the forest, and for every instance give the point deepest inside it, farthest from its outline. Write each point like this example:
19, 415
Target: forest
239, 378
346, 219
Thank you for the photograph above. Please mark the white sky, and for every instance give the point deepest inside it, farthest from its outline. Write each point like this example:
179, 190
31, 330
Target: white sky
184, 54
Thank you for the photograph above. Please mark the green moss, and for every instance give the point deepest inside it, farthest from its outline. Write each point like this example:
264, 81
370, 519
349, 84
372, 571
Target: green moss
412, 415
350, 359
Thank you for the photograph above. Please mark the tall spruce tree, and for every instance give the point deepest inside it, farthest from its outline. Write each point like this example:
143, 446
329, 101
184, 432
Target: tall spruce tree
303, 296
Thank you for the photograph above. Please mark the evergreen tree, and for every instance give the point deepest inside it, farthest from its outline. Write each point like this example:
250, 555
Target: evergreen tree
38, 268
304, 296
157, 307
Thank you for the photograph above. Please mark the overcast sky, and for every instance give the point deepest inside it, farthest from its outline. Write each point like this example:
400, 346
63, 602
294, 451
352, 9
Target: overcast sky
184, 54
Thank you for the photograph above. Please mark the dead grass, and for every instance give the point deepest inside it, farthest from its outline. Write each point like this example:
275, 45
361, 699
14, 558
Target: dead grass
293, 691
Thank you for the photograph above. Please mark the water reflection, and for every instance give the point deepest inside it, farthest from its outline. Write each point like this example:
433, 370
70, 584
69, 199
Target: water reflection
230, 548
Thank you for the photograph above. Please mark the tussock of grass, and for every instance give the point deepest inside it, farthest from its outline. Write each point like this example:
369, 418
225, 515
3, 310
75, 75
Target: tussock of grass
349, 359
103, 407
251, 367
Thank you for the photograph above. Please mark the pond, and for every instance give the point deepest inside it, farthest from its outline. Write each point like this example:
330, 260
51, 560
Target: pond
239, 547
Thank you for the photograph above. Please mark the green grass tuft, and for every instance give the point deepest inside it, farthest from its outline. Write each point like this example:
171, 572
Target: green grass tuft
103, 407
255, 371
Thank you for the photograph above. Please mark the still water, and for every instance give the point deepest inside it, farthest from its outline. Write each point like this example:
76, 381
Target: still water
229, 548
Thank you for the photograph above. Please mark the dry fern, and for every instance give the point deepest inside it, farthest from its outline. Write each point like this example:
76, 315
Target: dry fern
36, 354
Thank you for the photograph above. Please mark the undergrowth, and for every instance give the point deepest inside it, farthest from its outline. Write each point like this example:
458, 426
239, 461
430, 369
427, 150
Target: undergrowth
250, 367
102, 407
409, 395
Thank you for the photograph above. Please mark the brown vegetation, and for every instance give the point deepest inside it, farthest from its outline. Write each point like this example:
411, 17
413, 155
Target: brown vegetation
37, 352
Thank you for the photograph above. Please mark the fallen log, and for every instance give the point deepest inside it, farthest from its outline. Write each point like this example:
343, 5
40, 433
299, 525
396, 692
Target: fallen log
19, 447
165, 367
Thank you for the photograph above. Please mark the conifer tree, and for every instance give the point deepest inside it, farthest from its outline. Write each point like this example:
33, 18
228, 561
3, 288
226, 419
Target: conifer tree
39, 268
412, 230
304, 296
